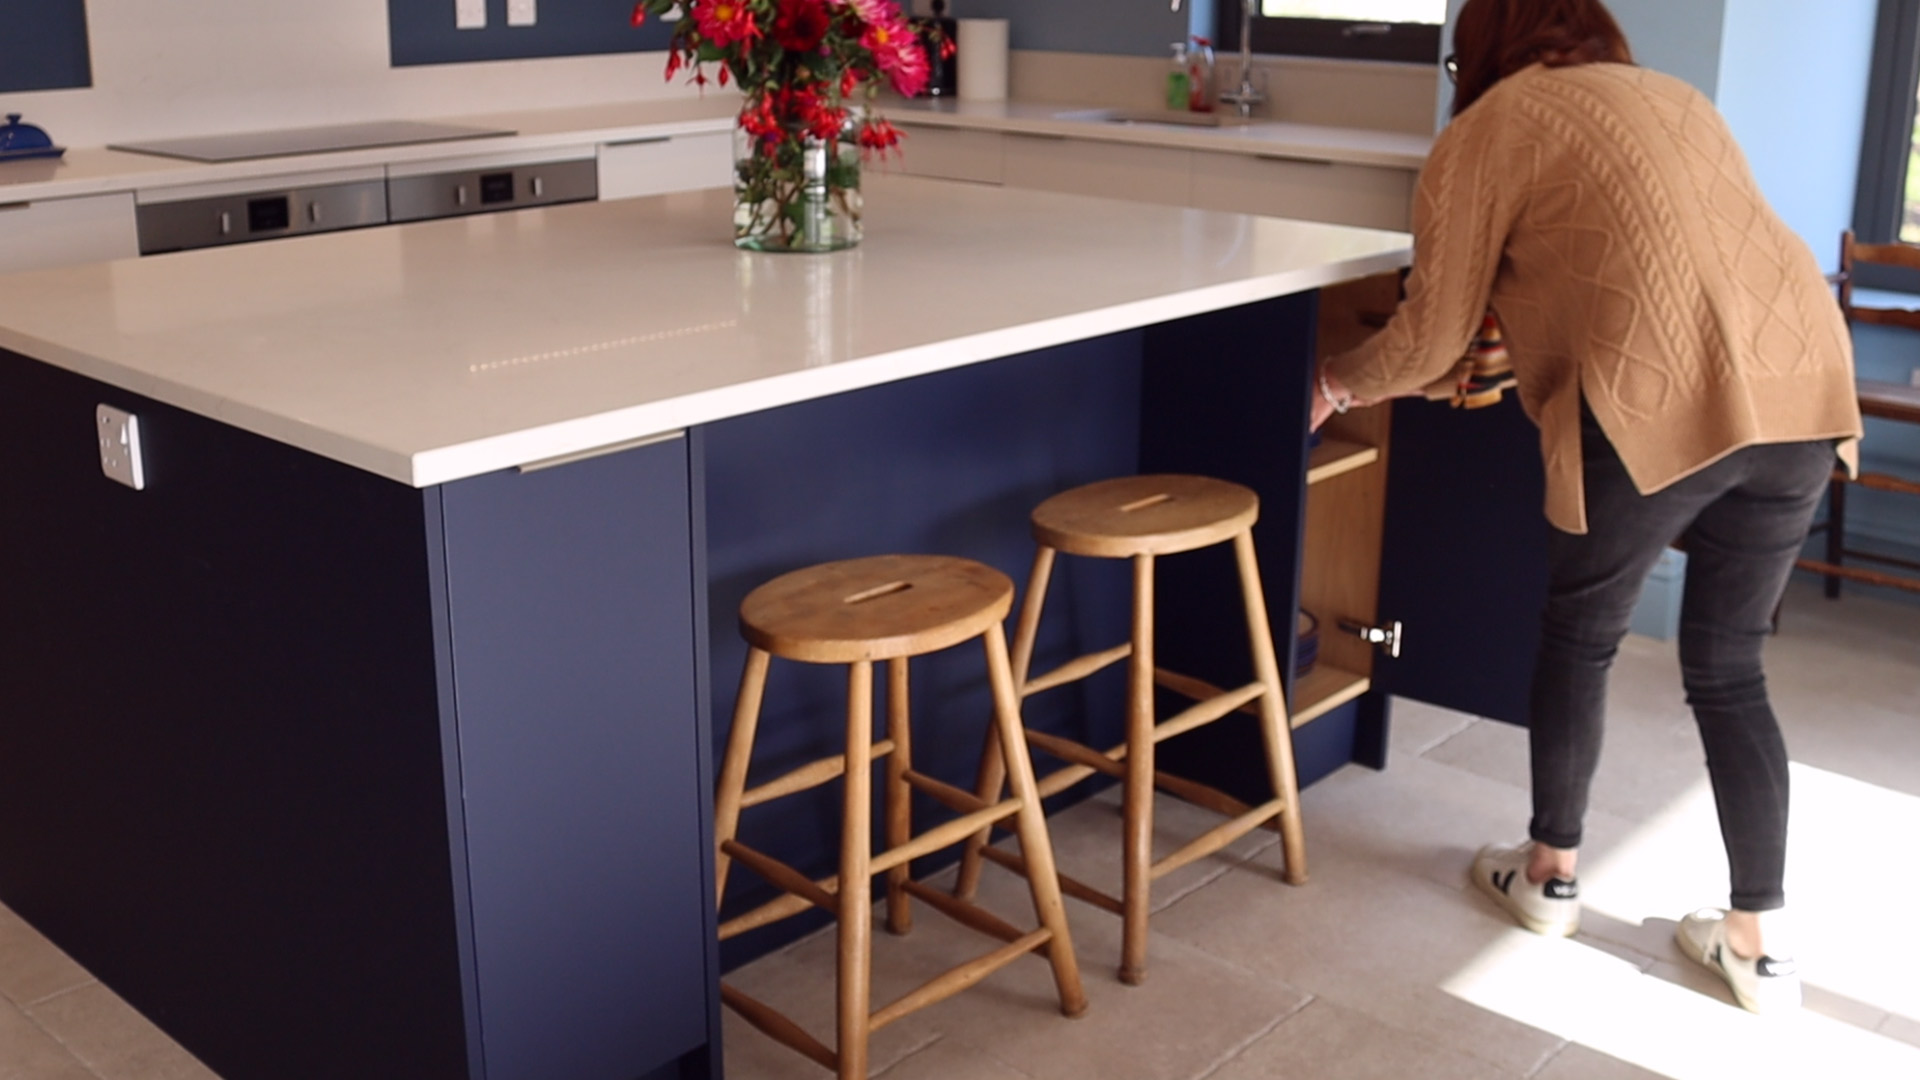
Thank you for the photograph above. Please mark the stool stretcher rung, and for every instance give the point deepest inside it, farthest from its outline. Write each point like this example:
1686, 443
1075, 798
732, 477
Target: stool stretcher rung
1195, 689
1077, 668
955, 799
1207, 711
1080, 754
945, 986
777, 1027
944, 836
807, 776
1218, 837
823, 895
1073, 887
1062, 779
766, 914
971, 916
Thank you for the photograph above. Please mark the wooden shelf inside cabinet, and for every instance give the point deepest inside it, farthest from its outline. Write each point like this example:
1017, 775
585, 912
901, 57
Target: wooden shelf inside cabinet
1336, 456
1325, 689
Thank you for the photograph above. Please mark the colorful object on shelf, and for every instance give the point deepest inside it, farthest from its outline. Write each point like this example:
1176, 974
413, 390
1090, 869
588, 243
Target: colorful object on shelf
1487, 371
1200, 76
800, 141
18, 140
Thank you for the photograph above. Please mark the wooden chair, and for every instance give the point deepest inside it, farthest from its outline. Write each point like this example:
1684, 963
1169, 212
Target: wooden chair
1141, 518
1887, 401
858, 612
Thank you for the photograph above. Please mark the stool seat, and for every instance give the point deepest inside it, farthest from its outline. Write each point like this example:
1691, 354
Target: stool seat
1145, 515
876, 608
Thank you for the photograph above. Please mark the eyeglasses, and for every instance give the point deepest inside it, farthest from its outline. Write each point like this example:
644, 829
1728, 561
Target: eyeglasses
1452, 65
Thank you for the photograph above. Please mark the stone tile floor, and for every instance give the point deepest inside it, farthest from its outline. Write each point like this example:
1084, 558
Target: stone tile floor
1386, 965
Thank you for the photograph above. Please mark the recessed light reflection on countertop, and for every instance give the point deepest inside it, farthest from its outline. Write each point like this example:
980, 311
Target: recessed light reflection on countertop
601, 346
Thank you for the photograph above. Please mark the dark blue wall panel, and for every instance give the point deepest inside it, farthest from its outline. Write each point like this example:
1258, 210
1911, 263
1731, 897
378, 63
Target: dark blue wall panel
44, 45
1134, 27
422, 32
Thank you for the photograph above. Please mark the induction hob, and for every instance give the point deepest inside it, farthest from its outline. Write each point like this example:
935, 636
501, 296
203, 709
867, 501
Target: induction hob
314, 140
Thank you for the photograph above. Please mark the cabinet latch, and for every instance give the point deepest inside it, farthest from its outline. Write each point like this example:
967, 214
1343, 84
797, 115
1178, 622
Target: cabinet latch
1385, 637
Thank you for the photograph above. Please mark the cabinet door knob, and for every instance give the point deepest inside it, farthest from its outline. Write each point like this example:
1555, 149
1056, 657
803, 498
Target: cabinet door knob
313, 213
226, 223
1386, 638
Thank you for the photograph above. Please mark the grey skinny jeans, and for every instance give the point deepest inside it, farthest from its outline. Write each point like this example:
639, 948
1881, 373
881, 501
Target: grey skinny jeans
1744, 519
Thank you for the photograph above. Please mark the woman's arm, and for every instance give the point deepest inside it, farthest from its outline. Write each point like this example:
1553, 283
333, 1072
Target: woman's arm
1464, 206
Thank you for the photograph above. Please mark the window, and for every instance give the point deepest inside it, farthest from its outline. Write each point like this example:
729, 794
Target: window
1887, 206
1405, 30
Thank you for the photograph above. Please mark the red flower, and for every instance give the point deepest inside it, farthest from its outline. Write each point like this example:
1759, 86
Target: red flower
724, 22
879, 136
801, 25
640, 13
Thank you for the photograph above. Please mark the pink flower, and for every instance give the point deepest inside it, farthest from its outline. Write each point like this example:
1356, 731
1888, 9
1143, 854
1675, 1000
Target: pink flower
896, 49
724, 22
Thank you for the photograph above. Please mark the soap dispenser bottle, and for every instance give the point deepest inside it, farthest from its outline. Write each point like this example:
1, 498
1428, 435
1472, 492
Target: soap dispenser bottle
1200, 76
1179, 80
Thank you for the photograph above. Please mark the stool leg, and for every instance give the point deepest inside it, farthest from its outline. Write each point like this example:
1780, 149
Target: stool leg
1137, 891
733, 770
1276, 728
992, 765
1036, 846
856, 877
899, 794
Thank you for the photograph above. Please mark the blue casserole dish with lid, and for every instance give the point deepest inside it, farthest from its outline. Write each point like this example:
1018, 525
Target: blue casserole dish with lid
18, 140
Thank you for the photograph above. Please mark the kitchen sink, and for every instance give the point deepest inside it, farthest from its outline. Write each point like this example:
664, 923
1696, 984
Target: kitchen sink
1152, 116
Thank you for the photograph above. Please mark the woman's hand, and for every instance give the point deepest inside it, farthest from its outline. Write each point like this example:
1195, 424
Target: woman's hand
1330, 396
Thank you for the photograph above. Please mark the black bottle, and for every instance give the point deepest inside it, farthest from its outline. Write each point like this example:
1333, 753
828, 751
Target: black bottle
939, 35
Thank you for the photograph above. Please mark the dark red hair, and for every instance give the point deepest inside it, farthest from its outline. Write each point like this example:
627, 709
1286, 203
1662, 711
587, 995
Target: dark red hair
1495, 38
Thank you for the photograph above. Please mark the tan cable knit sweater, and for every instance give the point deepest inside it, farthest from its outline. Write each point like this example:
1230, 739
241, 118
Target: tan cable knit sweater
1607, 216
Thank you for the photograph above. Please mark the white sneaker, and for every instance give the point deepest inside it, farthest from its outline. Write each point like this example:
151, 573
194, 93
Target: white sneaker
1551, 907
1762, 984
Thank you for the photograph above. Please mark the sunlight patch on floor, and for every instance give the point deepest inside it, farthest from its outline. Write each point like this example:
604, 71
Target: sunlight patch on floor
1850, 873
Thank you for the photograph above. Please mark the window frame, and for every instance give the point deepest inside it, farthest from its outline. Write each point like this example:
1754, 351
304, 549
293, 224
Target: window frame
1344, 39
1886, 145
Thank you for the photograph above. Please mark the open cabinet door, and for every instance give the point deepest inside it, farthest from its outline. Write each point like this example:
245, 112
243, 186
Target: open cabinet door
1464, 560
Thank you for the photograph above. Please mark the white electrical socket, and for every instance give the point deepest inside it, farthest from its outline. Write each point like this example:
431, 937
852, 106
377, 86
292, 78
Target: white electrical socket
521, 13
120, 447
469, 14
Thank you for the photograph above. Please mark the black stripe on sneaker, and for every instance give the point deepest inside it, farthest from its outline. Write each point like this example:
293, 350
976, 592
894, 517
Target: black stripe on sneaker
1768, 968
1561, 889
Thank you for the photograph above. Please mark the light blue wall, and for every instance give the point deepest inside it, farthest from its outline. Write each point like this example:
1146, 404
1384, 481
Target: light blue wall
1793, 86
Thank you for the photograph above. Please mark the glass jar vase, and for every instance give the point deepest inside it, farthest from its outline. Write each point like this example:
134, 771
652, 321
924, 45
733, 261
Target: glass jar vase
795, 191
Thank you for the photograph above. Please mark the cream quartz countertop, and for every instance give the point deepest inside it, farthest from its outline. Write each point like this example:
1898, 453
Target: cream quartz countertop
1356, 146
98, 171
445, 349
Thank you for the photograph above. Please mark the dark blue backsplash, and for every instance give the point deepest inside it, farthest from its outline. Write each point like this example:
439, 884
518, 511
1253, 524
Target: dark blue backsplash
43, 45
422, 31
1126, 27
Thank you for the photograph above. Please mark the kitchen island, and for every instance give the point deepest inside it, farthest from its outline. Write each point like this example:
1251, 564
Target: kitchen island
372, 736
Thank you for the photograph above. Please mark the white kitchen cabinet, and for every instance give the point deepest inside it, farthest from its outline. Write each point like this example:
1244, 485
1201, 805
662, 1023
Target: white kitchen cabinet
1155, 174
949, 154
63, 232
657, 166
1371, 196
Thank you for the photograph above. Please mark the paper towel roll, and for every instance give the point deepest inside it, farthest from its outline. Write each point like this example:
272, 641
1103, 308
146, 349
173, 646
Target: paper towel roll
982, 59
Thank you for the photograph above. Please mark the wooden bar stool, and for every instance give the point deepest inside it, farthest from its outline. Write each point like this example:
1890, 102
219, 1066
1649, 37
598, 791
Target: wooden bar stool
889, 608
1142, 518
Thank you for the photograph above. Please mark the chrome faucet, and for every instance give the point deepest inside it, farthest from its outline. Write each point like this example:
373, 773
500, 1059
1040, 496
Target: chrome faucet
1247, 94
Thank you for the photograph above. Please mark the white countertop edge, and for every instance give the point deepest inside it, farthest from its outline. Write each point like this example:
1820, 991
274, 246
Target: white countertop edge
447, 464
1257, 139
158, 174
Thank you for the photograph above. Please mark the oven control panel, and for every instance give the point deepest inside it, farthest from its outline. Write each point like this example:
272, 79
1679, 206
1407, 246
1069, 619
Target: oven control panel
238, 218
449, 194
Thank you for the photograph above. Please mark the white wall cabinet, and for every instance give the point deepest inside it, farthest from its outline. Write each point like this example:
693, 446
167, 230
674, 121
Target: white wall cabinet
1276, 185
658, 166
1111, 170
63, 232
1370, 196
950, 154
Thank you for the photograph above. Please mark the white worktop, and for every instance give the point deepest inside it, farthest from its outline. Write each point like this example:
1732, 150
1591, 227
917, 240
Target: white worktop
446, 349
93, 171
96, 170
1356, 146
